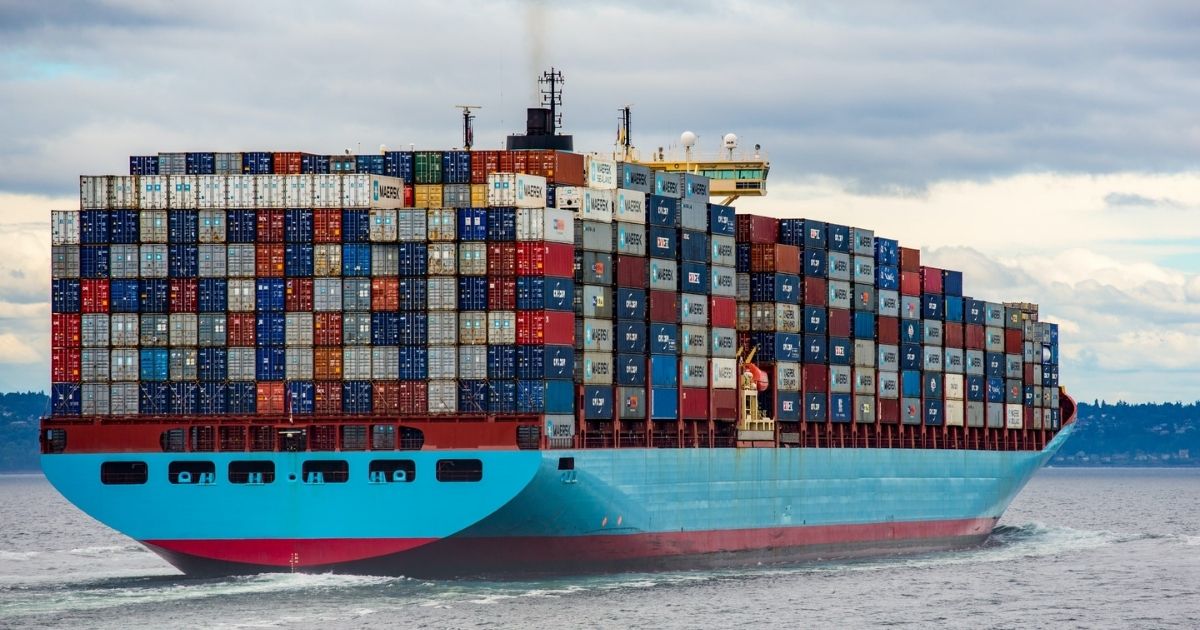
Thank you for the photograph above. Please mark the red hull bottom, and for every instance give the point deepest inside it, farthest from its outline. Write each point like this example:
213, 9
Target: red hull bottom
524, 556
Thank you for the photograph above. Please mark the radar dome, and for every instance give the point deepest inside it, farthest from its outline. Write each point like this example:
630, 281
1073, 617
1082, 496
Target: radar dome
687, 139
730, 141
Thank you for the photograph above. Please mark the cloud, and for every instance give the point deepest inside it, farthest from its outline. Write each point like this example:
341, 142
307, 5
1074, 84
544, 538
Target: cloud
1139, 201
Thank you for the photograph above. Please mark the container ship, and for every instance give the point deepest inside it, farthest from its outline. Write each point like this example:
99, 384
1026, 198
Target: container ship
521, 361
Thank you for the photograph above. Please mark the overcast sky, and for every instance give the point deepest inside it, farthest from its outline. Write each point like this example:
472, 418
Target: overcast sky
1049, 150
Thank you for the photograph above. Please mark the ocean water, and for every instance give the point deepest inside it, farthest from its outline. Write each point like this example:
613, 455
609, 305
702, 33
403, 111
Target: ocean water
1077, 549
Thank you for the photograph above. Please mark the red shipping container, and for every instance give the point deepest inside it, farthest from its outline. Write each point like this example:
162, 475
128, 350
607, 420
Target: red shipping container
752, 228
545, 327
631, 272
327, 225
910, 283
974, 336
65, 365
327, 329
558, 167
385, 294
1013, 341
327, 363
288, 162
270, 397
483, 163
839, 322
693, 403
327, 397
889, 411
385, 397
815, 291
502, 294
887, 330
270, 225
723, 404
931, 280
952, 335
722, 311
664, 307
239, 329
910, 259
298, 294
414, 398
93, 293
65, 330
183, 296
502, 259
774, 257
410, 196
815, 378
513, 162
743, 339
268, 260
1029, 368
540, 258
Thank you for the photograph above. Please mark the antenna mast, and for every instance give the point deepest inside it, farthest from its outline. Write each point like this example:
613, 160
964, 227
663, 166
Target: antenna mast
624, 140
552, 96
468, 125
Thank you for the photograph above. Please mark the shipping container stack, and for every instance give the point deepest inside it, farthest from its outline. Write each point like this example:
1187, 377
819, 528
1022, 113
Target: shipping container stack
609, 298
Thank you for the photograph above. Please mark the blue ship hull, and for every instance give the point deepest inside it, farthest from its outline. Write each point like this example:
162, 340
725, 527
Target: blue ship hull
559, 510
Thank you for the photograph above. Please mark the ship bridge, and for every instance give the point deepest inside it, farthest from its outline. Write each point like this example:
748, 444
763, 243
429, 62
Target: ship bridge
732, 174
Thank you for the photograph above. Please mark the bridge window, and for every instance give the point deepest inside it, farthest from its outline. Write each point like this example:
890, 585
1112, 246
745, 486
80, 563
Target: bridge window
123, 473
325, 471
411, 439
393, 471
459, 470
252, 472
192, 472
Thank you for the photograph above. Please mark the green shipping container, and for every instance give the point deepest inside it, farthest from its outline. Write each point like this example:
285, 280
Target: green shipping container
427, 167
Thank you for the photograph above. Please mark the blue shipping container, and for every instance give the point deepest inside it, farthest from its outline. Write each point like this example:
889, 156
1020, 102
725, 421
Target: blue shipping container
910, 356
65, 296
269, 329
269, 294
269, 363
241, 226
721, 220
815, 407
356, 226
183, 398
214, 398
154, 398
742, 257
502, 362
864, 325
414, 363
597, 402
791, 232
241, 397
662, 242
300, 397
631, 304
373, 164
414, 327
311, 164
182, 226
841, 407
152, 364
910, 384
841, 351
357, 397
776, 346
356, 260
631, 370
664, 403
932, 306
473, 396
887, 278
954, 308
298, 225
664, 339
413, 294
153, 295
212, 363
838, 238
183, 261
816, 348
473, 293
213, 294
258, 163
662, 211
664, 370
630, 337
472, 224
544, 292
952, 283
201, 163
887, 252
385, 328
143, 165
502, 225
693, 246
502, 396
93, 261
399, 164
816, 320
94, 227
125, 227
123, 296
775, 287
934, 413
540, 362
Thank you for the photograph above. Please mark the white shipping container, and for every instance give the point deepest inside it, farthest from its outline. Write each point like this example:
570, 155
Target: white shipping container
443, 361
955, 413
595, 334
356, 329
123, 191
64, 227
239, 191
441, 224
154, 329
327, 260
93, 192
298, 191
568, 197
472, 327
269, 191
240, 364
327, 294
502, 327
631, 206
123, 329
94, 365
239, 260
124, 364
182, 364
596, 368
443, 259
443, 327
516, 189
472, 362
94, 399
954, 387
787, 376
441, 293
601, 173
371, 191
182, 192
210, 191
298, 329
152, 261
123, 399
411, 226
154, 194
184, 329
724, 374
693, 340
472, 259
1012, 417
240, 295
211, 260
545, 224
298, 363
327, 191
693, 372
93, 331
597, 205
212, 226
356, 363
152, 225
383, 225
443, 396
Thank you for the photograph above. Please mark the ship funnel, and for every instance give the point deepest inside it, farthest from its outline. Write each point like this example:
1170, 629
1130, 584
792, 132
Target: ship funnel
542, 123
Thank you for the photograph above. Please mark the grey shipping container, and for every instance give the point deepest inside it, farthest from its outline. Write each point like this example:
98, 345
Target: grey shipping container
955, 362
889, 385
212, 329
123, 364
864, 409
724, 251
910, 411
631, 403
839, 379
183, 329
240, 295
594, 334
629, 239
298, 362
124, 329
240, 364
888, 303
239, 260
385, 260
472, 259
411, 225
472, 327
152, 226
693, 309
327, 260
356, 331
839, 267
64, 227
975, 414
596, 368
724, 281
664, 275
94, 365
94, 399
839, 294
889, 357
443, 361
382, 225
93, 329
864, 381
994, 415
443, 327
932, 361
932, 335
123, 261
594, 301
594, 236
724, 343
443, 396
694, 341
743, 287
597, 267
327, 294
910, 307
123, 399
153, 261
212, 226
356, 363
298, 329
864, 353
787, 376
155, 330
64, 261
356, 294
456, 195
502, 327
693, 214
993, 339
182, 364
441, 224
472, 362
212, 261
974, 363
443, 259
693, 371
441, 294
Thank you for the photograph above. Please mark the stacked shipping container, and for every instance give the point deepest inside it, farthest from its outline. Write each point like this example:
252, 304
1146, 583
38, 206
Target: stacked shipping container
603, 295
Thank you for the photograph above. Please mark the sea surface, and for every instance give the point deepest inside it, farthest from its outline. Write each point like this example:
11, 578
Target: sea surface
1095, 548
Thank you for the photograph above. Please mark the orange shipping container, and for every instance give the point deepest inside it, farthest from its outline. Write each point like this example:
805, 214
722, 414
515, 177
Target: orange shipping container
774, 258
385, 397
240, 329
327, 364
270, 397
269, 225
288, 163
327, 225
327, 329
385, 294
327, 397
268, 260
483, 163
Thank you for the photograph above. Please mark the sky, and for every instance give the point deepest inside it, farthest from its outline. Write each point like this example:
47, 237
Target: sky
1051, 151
